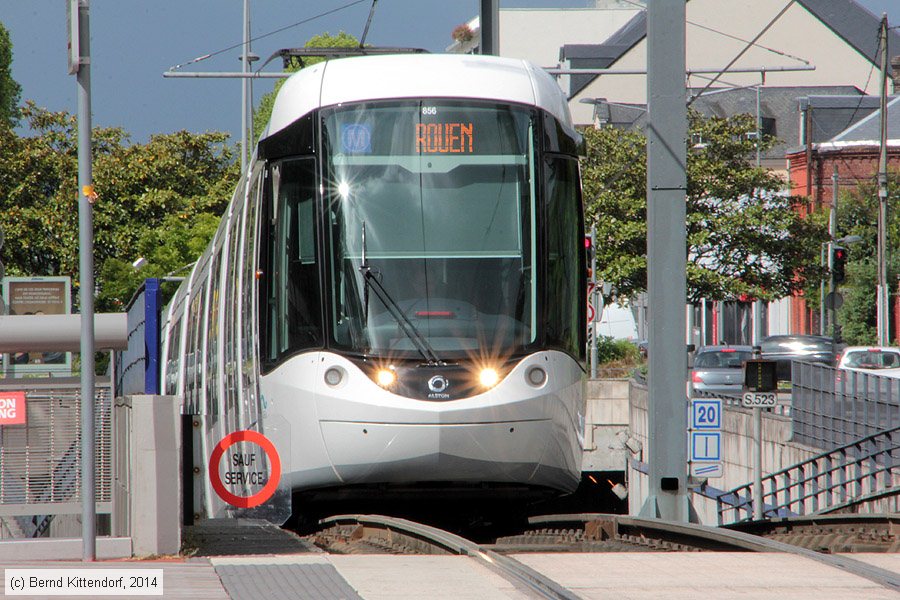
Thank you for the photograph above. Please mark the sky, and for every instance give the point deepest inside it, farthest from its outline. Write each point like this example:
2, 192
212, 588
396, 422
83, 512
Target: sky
133, 42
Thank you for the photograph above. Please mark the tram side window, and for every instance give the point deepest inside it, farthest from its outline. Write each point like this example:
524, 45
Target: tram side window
247, 325
173, 358
192, 375
564, 301
213, 331
293, 312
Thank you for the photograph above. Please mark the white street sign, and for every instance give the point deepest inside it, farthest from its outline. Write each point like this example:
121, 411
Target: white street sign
707, 469
706, 446
756, 399
706, 413
705, 438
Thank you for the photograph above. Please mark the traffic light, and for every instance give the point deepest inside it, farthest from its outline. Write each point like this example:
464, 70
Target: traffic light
838, 261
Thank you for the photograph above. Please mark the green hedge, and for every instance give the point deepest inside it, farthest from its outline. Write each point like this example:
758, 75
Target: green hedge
613, 350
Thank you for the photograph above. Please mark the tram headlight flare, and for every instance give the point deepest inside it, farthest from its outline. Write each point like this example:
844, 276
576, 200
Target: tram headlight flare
385, 377
488, 377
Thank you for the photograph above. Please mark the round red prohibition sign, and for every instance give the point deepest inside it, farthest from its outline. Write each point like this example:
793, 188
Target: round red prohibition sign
268, 447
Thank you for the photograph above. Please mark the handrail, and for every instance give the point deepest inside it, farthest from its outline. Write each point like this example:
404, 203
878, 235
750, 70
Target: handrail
814, 481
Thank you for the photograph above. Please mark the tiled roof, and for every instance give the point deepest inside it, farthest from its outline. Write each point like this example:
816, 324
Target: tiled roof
867, 131
850, 21
600, 56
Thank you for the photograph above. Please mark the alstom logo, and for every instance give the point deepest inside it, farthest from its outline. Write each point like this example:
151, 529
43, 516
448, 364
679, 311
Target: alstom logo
438, 386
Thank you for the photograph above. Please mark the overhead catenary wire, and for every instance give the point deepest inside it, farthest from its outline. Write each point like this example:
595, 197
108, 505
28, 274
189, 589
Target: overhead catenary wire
729, 35
865, 87
745, 49
265, 35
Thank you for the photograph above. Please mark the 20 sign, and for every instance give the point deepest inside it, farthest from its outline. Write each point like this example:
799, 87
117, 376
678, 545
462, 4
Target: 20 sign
706, 413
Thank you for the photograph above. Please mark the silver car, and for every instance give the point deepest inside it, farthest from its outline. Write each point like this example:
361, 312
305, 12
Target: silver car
720, 369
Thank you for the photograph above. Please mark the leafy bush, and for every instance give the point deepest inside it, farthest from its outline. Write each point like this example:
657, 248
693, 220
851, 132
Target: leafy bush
613, 350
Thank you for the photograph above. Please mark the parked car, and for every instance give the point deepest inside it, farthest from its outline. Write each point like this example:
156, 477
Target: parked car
720, 369
787, 348
869, 358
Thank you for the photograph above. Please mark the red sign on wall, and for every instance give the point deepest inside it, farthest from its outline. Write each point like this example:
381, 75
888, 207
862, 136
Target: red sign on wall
12, 408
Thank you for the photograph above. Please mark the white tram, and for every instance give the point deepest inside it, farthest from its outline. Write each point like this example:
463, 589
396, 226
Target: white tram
398, 283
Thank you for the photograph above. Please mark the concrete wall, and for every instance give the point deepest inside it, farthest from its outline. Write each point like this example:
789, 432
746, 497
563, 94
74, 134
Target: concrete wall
606, 425
737, 429
151, 487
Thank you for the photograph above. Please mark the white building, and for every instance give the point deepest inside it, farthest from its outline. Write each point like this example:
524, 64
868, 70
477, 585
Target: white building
836, 38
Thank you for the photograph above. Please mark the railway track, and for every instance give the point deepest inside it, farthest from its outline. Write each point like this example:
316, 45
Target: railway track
617, 533
833, 534
391, 533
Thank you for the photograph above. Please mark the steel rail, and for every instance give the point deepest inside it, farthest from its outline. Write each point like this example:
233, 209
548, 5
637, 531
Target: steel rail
510, 569
735, 539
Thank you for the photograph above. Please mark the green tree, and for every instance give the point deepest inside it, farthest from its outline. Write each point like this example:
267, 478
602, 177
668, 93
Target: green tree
858, 215
325, 40
9, 89
745, 237
160, 200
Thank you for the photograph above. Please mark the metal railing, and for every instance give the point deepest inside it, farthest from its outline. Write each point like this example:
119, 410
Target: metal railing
865, 470
40, 460
833, 407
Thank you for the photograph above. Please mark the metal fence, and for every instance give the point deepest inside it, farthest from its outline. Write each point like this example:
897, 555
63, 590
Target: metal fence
854, 417
833, 407
137, 369
846, 477
40, 474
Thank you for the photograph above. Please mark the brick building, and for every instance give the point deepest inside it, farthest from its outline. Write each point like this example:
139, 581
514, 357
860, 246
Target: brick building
853, 153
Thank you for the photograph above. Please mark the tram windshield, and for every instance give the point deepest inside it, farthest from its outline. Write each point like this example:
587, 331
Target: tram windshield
436, 202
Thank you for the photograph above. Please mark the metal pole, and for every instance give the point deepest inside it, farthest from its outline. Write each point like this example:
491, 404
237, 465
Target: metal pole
832, 233
758, 126
757, 454
490, 27
245, 85
883, 312
86, 293
757, 464
758, 304
666, 261
594, 304
823, 327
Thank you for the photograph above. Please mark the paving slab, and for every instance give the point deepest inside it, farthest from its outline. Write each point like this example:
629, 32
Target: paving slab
194, 579
385, 577
691, 575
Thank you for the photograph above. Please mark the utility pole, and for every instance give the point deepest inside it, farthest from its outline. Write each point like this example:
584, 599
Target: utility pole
666, 261
490, 27
80, 65
832, 233
246, 115
883, 309
758, 333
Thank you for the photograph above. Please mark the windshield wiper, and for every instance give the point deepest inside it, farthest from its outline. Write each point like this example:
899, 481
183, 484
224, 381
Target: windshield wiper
414, 335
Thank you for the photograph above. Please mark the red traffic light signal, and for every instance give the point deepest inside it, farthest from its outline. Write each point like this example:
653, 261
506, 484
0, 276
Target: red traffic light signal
838, 261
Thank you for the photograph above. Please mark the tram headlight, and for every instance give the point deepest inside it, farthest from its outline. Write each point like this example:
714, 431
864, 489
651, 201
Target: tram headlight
334, 376
536, 376
385, 377
343, 189
488, 377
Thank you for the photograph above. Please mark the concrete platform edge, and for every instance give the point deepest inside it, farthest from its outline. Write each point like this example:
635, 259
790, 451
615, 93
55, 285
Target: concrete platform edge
62, 549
